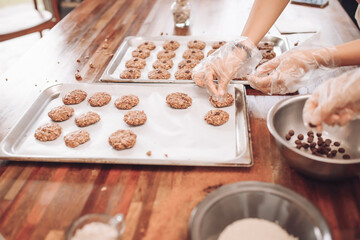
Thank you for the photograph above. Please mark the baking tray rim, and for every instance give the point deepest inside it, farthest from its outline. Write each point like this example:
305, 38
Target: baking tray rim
54, 90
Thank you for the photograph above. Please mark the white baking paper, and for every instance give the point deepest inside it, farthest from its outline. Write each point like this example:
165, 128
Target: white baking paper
181, 134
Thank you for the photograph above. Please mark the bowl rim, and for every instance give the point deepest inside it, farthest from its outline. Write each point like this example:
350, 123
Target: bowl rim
275, 134
256, 186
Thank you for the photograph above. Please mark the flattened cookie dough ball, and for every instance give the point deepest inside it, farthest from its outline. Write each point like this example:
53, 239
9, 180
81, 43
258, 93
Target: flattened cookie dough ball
197, 44
76, 138
130, 73
217, 45
163, 64
183, 74
228, 101
126, 102
141, 53
87, 119
99, 99
135, 62
265, 46
188, 63
122, 139
268, 54
74, 97
166, 54
171, 45
135, 118
48, 132
179, 100
147, 45
216, 117
262, 61
61, 113
211, 52
159, 74
193, 54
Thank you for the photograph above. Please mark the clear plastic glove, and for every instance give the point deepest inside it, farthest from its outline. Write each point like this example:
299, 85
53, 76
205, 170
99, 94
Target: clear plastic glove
234, 57
286, 73
335, 101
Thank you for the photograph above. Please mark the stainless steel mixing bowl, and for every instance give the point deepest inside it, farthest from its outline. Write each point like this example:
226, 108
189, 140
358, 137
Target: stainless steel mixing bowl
267, 201
287, 115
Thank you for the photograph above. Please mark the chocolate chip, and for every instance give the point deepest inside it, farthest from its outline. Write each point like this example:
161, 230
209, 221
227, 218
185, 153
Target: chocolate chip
166, 51
329, 155
334, 152
188, 61
266, 44
300, 136
312, 125
305, 145
131, 70
140, 51
220, 42
187, 71
346, 156
297, 142
310, 139
159, 71
268, 51
136, 59
193, 51
327, 142
195, 41
164, 61
298, 146
171, 41
287, 137
313, 150
310, 133
320, 139
313, 144
341, 150
336, 144
146, 43
291, 132
318, 134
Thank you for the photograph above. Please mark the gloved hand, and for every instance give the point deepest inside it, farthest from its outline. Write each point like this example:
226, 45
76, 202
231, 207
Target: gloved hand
234, 57
286, 73
335, 101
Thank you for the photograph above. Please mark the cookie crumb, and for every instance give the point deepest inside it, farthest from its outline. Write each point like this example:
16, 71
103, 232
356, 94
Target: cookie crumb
148, 153
105, 46
166, 155
297, 43
78, 60
78, 77
91, 65
87, 57
58, 62
6, 79
161, 33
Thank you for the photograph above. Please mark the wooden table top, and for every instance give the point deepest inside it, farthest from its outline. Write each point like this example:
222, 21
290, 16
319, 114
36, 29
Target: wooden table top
41, 200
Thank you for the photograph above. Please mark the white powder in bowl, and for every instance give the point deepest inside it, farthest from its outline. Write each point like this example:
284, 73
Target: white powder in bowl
254, 229
96, 231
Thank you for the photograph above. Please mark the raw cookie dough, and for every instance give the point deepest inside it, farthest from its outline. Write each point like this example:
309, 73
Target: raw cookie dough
166, 54
193, 54
99, 99
211, 52
171, 45
135, 118
130, 73
216, 117
217, 45
76, 138
188, 63
268, 54
135, 62
122, 139
48, 132
229, 100
126, 102
61, 113
147, 45
163, 64
197, 44
183, 74
159, 74
179, 100
141, 53
74, 97
87, 119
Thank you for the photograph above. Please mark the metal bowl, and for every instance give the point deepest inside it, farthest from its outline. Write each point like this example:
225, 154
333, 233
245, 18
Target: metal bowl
287, 115
261, 200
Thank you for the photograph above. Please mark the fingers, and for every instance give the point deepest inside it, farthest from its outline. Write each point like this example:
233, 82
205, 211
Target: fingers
268, 66
310, 112
199, 78
210, 84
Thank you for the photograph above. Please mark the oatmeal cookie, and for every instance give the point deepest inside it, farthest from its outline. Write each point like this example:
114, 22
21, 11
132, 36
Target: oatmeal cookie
48, 132
126, 102
76, 138
87, 119
130, 73
216, 117
141, 53
159, 74
197, 44
268, 54
135, 62
99, 99
193, 54
61, 113
74, 97
188, 63
171, 45
135, 118
211, 52
229, 100
122, 139
147, 45
265, 46
166, 54
163, 63
184, 74
217, 45
178, 100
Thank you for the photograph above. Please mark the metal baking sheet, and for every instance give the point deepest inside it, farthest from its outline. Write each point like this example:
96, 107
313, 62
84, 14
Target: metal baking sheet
117, 63
175, 137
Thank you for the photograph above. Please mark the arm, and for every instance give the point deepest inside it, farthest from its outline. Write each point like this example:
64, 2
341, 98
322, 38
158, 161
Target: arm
262, 16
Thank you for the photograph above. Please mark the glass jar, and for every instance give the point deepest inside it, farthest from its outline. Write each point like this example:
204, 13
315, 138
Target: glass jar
181, 12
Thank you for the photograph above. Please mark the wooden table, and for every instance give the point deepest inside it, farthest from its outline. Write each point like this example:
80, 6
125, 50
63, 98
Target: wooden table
41, 200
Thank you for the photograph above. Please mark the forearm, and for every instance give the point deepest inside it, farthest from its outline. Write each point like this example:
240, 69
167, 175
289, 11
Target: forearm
262, 16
